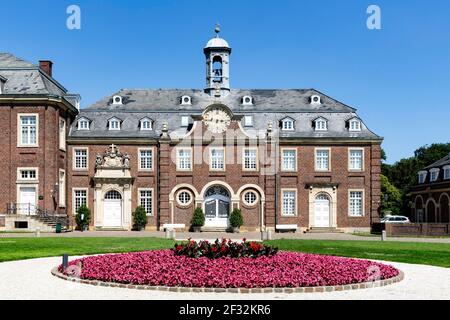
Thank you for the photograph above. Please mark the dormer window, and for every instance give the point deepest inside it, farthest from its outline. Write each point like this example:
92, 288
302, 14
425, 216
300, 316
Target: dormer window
248, 121
320, 124
83, 124
186, 100
247, 101
287, 124
422, 176
315, 99
354, 125
446, 172
117, 100
114, 124
434, 174
184, 121
145, 124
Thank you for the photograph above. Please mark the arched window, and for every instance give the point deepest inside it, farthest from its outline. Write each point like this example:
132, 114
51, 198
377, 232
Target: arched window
113, 195
217, 69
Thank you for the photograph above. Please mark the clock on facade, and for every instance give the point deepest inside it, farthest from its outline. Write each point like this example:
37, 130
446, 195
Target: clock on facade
217, 120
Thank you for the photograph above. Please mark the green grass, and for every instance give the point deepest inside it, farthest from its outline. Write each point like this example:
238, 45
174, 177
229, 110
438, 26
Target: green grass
436, 254
29, 248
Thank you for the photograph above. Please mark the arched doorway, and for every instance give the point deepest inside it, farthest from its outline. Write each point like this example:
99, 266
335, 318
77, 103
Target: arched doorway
217, 207
322, 211
112, 209
419, 209
431, 211
444, 205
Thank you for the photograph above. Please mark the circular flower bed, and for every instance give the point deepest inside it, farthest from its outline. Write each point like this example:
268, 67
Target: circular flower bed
283, 270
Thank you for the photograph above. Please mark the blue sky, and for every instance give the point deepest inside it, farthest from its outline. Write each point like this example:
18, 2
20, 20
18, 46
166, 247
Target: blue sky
398, 77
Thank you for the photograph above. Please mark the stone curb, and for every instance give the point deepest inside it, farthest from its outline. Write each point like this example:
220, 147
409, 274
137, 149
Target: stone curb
363, 285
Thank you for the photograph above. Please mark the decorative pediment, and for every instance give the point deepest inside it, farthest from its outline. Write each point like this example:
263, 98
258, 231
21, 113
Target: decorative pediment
113, 158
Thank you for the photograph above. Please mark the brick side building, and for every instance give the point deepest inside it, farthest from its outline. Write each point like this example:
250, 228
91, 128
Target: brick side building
287, 158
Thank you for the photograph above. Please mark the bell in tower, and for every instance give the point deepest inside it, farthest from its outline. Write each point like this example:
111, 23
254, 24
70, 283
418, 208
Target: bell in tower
217, 53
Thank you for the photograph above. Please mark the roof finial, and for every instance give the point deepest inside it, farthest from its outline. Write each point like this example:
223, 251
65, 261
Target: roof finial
217, 29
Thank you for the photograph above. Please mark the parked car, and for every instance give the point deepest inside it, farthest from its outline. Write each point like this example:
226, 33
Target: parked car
395, 219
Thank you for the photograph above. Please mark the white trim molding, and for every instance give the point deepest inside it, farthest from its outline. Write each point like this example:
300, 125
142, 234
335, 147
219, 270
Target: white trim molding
282, 191
152, 199
283, 169
19, 130
316, 149
74, 162
363, 203
140, 169
362, 160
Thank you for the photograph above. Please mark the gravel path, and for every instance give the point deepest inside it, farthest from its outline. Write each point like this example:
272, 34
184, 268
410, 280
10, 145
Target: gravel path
31, 279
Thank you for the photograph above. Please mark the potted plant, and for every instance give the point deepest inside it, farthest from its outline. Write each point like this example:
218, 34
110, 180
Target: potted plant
236, 220
139, 219
83, 218
198, 220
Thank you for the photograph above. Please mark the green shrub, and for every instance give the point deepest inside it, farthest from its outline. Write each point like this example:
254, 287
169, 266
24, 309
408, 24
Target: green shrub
198, 219
139, 218
236, 219
83, 217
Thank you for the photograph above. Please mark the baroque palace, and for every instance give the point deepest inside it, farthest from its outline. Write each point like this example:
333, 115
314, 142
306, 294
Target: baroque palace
289, 159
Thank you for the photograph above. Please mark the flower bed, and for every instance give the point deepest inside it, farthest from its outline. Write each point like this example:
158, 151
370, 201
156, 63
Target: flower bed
285, 269
223, 248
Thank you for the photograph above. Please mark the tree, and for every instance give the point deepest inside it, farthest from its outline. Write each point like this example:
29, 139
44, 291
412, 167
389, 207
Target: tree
236, 219
391, 197
139, 218
198, 219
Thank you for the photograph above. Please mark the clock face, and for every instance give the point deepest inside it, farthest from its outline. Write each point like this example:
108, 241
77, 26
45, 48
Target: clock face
217, 120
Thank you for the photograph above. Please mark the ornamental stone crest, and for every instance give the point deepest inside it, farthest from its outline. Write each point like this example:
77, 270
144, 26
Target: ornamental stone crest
113, 158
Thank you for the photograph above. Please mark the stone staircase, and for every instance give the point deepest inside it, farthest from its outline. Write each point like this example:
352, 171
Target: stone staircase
323, 230
51, 221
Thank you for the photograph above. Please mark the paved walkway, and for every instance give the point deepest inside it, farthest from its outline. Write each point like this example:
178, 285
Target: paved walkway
31, 279
215, 235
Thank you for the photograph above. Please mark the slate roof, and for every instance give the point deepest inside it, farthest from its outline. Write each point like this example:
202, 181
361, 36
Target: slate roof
440, 163
163, 105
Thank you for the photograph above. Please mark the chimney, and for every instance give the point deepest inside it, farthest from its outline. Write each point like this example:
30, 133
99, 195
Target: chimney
46, 66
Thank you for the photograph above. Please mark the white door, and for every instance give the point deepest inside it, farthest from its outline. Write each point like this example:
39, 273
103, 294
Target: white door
27, 201
322, 211
112, 213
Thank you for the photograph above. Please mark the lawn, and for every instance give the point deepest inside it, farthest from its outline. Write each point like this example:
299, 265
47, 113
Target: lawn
437, 254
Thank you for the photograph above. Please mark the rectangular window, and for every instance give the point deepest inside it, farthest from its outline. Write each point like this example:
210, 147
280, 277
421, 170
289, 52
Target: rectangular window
146, 159
356, 204
184, 159
422, 177
184, 121
322, 160
289, 202
250, 159
289, 160
355, 159
62, 134
434, 175
446, 173
27, 174
287, 125
81, 159
248, 121
145, 201
62, 188
79, 199
217, 159
28, 130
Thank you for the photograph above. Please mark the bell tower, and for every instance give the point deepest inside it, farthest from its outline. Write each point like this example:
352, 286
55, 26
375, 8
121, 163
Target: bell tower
217, 53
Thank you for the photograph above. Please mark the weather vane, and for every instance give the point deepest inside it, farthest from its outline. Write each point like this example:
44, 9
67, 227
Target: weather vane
217, 29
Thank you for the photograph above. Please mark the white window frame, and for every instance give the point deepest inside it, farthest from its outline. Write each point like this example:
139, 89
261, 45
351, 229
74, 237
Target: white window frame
248, 204
152, 199
24, 180
422, 176
286, 128
316, 168
283, 167
283, 213
244, 168
140, 159
358, 126
320, 128
74, 156
80, 127
145, 120
110, 122
62, 133
19, 130
62, 188
211, 162
187, 203
446, 172
74, 210
248, 121
350, 150
362, 203
179, 168
184, 121
434, 171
